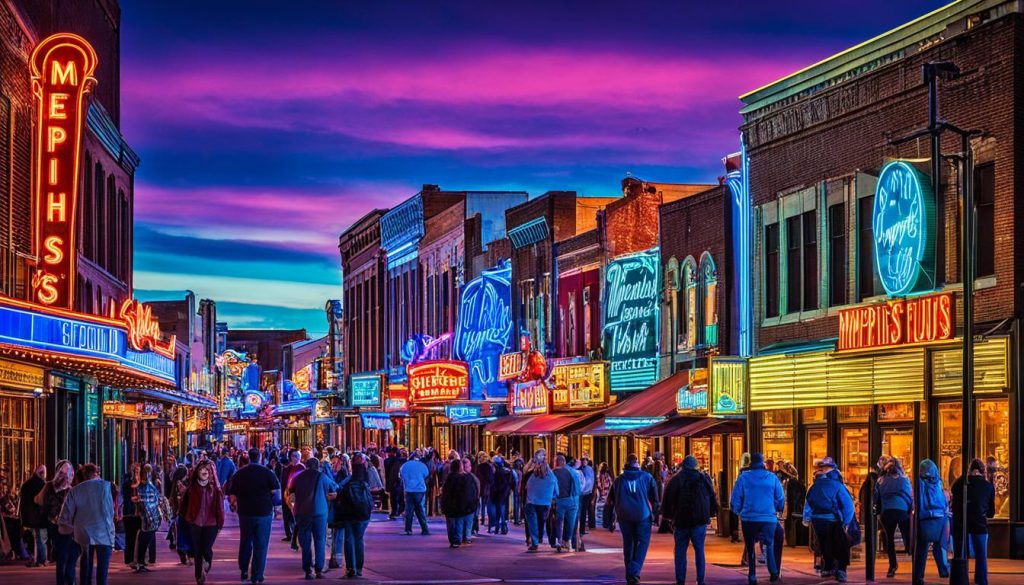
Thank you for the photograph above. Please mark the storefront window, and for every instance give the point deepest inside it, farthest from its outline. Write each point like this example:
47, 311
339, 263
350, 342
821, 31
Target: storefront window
701, 449
854, 459
777, 418
716, 460
677, 448
813, 415
950, 426
735, 452
817, 449
901, 411
899, 443
992, 444
778, 444
853, 414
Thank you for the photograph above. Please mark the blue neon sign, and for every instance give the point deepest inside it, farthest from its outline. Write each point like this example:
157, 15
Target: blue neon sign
632, 287
457, 413
738, 182
903, 224
484, 331
365, 390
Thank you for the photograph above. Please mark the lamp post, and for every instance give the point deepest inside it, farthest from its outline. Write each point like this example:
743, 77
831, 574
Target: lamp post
932, 72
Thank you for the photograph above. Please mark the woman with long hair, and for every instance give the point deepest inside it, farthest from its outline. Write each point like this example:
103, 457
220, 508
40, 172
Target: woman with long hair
540, 491
202, 508
51, 500
129, 514
147, 505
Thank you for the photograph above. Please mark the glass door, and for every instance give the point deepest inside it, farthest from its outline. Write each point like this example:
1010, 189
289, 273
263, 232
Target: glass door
899, 443
817, 449
854, 459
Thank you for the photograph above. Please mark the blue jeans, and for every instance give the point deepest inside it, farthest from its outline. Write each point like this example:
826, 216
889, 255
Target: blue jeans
460, 528
65, 555
253, 542
497, 514
101, 556
315, 528
683, 537
338, 541
636, 537
566, 512
415, 503
536, 518
978, 542
354, 547
930, 531
754, 532
517, 508
39, 538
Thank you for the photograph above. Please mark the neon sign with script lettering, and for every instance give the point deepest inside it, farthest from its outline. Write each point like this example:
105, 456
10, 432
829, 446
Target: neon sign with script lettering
904, 225
62, 67
144, 329
484, 331
632, 286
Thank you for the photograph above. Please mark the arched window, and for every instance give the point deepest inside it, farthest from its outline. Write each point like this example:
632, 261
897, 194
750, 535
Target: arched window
686, 331
709, 300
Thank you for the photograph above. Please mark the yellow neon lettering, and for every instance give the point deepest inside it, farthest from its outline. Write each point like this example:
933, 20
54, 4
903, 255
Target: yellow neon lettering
53, 245
56, 135
46, 291
55, 204
57, 111
65, 74
53, 171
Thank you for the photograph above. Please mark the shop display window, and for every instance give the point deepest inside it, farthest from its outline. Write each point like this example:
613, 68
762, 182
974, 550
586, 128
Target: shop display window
853, 414
899, 443
701, 449
817, 449
735, 452
813, 415
992, 444
950, 426
777, 418
717, 442
900, 411
854, 460
677, 450
778, 444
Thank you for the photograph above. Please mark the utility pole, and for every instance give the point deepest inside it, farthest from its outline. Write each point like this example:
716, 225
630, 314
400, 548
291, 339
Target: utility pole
932, 72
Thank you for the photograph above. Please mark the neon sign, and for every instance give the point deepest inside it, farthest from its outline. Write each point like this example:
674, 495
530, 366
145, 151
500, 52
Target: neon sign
692, 399
903, 224
738, 181
62, 66
528, 398
728, 385
579, 386
625, 423
398, 398
484, 331
632, 287
144, 329
511, 365
364, 390
376, 421
438, 381
322, 411
458, 413
897, 322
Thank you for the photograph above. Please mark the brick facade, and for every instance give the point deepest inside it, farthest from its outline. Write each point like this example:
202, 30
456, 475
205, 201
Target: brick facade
363, 269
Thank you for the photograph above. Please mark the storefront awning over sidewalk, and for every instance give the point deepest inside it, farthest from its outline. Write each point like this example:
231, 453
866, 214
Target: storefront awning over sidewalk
177, 397
658, 400
545, 424
686, 426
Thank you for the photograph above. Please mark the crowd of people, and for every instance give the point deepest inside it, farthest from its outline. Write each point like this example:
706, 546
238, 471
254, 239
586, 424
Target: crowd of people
327, 497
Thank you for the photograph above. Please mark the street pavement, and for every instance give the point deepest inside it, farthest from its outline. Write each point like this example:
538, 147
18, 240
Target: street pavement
393, 559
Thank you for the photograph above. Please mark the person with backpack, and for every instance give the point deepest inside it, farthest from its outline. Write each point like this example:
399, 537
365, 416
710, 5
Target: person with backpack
757, 498
690, 503
633, 501
312, 491
254, 489
894, 498
352, 510
459, 499
829, 510
501, 488
981, 505
147, 502
932, 522
340, 468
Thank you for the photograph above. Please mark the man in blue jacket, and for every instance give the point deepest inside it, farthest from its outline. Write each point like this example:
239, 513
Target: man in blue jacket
829, 509
634, 499
757, 498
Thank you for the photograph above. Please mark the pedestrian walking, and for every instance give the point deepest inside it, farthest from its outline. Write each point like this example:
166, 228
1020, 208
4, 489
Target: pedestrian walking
690, 503
312, 493
414, 475
517, 474
459, 498
501, 488
225, 466
50, 501
252, 493
88, 514
340, 468
130, 518
933, 522
981, 505
288, 471
31, 514
587, 521
757, 498
567, 503
392, 464
541, 488
181, 540
829, 510
147, 505
633, 502
202, 510
353, 508
485, 474
894, 499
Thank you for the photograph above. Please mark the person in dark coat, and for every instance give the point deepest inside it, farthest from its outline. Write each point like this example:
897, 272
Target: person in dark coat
981, 505
690, 503
393, 483
484, 472
32, 516
459, 500
501, 489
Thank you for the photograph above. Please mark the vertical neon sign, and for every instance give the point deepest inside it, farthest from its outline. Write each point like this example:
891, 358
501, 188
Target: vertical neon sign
484, 331
62, 66
632, 287
738, 182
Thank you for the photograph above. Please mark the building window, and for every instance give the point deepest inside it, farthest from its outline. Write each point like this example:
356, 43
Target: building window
709, 300
771, 270
810, 261
837, 255
868, 282
686, 334
984, 200
801, 263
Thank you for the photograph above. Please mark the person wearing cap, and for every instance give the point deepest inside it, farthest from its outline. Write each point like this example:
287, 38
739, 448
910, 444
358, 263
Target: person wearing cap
690, 503
757, 498
829, 510
895, 499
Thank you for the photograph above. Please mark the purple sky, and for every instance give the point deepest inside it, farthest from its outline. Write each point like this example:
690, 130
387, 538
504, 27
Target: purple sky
266, 128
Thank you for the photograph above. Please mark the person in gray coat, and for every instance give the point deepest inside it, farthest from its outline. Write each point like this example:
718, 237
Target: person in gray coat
88, 514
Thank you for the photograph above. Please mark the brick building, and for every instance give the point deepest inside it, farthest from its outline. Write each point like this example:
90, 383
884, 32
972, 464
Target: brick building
828, 250
362, 269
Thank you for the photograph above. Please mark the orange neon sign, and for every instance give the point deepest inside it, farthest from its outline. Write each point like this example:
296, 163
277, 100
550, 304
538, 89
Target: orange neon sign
144, 329
898, 322
62, 66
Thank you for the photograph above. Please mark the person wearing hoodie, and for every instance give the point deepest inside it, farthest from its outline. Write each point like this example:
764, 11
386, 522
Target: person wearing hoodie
633, 500
541, 488
757, 498
459, 497
690, 503
829, 509
981, 505
932, 510
894, 498
501, 488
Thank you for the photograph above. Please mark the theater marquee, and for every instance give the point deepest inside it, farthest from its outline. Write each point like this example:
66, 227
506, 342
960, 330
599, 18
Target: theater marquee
898, 322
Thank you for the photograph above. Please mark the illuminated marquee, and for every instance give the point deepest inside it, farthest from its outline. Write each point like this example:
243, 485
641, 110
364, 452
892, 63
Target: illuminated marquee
511, 365
728, 386
484, 330
144, 329
322, 411
438, 381
365, 390
903, 224
528, 398
398, 398
897, 322
692, 399
376, 421
579, 386
632, 287
62, 67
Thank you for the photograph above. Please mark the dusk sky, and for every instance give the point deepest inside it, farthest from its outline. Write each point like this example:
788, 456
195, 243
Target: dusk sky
266, 128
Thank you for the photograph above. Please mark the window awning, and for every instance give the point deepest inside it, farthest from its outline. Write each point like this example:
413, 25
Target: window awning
658, 400
177, 397
507, 424
539, 425
682, 426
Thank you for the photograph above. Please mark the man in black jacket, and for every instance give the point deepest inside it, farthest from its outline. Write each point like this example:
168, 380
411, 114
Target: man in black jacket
392, 481
32, 516
691, 503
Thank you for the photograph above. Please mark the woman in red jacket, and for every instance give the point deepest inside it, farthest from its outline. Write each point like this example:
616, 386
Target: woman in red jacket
203, 508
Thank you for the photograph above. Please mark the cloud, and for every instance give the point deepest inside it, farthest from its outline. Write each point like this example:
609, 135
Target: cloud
293, 294
253, 316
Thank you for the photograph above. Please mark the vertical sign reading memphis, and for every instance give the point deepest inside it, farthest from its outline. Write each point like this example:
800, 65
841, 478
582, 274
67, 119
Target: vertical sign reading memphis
484, 331
632, 285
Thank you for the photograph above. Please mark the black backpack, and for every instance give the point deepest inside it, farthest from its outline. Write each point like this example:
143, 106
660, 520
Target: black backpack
356, 501
696, 509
